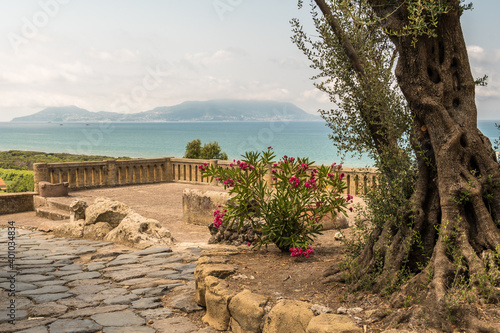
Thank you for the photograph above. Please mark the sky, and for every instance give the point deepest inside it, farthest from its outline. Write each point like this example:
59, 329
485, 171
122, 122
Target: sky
131, 56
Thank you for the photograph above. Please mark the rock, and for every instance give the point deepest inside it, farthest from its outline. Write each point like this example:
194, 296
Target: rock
342, 310
97, 230
217, 298
199, 205
338, 236
288, 316
318, 309
74, 325
139, 232
118, 319
49, 226
106, 210
77, 210
339, 222
247, 311
185, 303
175, 325
232, 236
71, 229
352, 311
220, 271
49, 309
332, 323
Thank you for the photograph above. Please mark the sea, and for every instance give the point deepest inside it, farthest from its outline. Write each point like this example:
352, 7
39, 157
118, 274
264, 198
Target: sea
154, 140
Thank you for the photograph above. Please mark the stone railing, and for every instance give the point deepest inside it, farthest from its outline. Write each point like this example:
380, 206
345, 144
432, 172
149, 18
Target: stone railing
11, 203
110, 173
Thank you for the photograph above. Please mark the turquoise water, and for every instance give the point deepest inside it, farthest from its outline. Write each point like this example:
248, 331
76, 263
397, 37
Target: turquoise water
150, 140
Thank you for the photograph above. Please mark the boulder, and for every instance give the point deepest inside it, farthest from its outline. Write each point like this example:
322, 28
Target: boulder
288, 316
332, 323
97, 230
247, 311
47, 189
138, 231
106, 210
339, 222
217, 298
77, 210
71, 229
220, 271
199, 205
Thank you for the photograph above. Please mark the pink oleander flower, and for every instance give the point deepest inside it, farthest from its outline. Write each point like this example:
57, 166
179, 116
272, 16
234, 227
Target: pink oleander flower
351, 209
294, 182
349, 197
297, 252
269, 148
275, 165
229, 182
318, 204
218, 217
342, 175
249, 244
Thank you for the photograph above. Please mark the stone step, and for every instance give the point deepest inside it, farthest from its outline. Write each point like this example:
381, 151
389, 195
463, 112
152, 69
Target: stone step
52, 213
61, 203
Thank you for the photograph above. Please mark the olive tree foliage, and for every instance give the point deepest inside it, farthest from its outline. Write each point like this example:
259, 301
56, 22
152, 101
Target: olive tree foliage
370, 115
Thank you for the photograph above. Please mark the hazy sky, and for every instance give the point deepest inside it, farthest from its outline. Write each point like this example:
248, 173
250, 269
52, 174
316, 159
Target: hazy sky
132, 56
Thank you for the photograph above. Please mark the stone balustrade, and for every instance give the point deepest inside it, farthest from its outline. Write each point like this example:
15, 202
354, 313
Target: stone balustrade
110, 173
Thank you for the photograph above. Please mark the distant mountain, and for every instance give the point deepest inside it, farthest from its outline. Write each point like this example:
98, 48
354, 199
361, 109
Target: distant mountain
214, 110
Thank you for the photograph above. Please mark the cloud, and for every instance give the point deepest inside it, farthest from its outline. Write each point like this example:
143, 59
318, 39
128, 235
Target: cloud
118, 55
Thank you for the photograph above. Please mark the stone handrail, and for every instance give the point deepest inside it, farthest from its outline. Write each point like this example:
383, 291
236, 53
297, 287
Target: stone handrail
110, 173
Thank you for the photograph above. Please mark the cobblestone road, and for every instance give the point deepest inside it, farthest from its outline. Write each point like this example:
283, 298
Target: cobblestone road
68, 285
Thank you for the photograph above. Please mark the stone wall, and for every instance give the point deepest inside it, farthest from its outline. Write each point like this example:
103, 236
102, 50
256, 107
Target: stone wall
11, 203
198, 205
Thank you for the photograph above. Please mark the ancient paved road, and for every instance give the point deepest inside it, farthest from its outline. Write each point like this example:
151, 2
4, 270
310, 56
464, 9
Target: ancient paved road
67, 285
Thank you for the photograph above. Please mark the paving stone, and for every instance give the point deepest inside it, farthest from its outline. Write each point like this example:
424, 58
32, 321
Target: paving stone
106, 255
74, 326
49, 283
129, 266
114, 291
87, 312
64, 273
153, 250
34, 277
19, 315
118, 300
127, 274
34, 263
48, 297
38, 270
63, 262
77, 303
175, 325
92, 289
22, 303
84, 250
81, 276
25, 324
161, 273
147, 303
118, 262
136, 281
38, 329
19, 286
157, 256
119, 319
141, 291
126, 256
186, 267
163, 261
186, 277
185, 303
44, 290
86, 282
60, 257
92, 297
50, 309
95, 266
154, 314
72, 267
132, 329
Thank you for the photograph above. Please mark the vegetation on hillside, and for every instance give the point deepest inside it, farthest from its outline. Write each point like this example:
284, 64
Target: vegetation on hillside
24, 160
17, 180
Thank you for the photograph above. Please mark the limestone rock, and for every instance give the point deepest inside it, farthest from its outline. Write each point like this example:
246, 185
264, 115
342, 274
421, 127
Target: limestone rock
106, 210
77, 208
48, 226
288, 316
333, 323
217, 298
247, 311
97, 230
71, 229
339, 222
140, 232
220, 271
